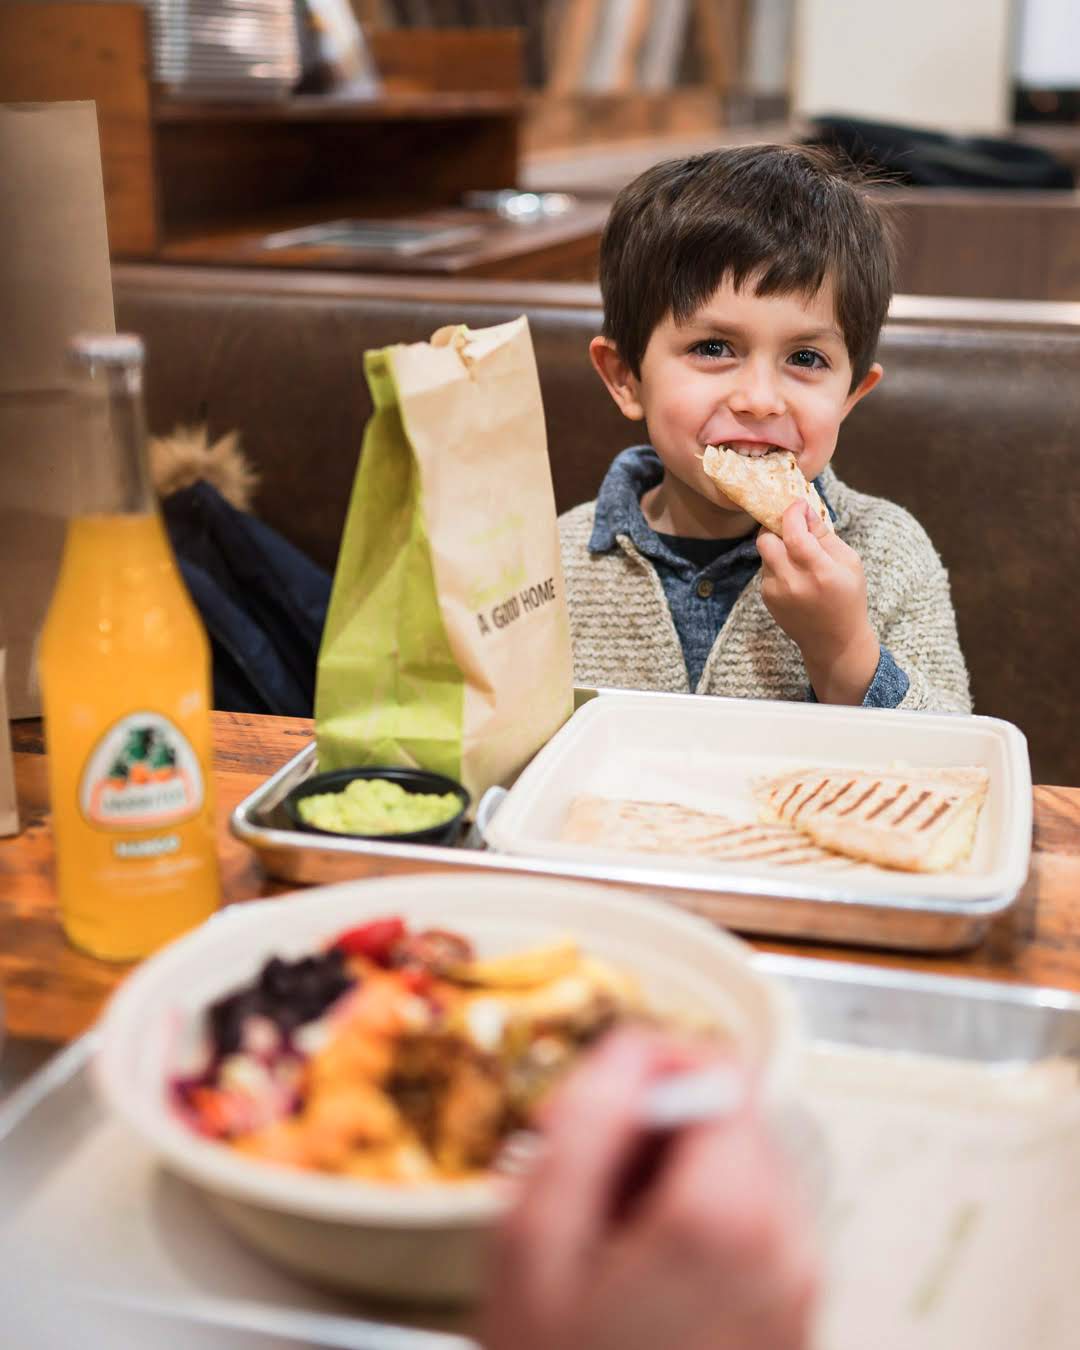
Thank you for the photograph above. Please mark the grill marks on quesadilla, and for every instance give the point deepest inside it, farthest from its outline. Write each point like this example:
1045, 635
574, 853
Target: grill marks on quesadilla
918, 821
668, 827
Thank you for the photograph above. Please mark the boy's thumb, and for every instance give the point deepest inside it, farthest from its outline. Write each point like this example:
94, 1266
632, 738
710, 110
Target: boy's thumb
818, 528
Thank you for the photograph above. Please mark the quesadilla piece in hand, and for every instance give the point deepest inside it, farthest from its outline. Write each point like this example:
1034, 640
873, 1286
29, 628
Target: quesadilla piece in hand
917, 820
763, 485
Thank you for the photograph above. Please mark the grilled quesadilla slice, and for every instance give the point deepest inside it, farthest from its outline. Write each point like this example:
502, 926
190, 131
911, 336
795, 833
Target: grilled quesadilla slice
763, 485
668, 827
917, 820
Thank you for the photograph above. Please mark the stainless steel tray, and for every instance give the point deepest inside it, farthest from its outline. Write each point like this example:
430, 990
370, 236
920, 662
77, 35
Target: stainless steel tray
799, 908
100, 1247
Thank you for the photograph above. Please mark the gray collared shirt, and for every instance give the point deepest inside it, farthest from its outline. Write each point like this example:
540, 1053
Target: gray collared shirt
700, 597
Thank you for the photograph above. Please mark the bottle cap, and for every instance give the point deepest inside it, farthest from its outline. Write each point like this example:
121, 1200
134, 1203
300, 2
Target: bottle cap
106, 349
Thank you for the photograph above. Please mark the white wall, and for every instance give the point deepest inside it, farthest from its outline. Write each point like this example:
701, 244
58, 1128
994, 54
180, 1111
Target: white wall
935, 63
1048, 49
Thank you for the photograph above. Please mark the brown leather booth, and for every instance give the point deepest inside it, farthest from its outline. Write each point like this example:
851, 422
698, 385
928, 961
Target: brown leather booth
976, 429
970, 241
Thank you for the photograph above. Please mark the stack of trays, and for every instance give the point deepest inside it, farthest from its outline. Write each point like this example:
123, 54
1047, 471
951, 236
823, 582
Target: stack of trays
226, 49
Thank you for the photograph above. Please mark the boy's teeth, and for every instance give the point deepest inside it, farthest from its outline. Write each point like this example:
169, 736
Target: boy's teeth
755, 451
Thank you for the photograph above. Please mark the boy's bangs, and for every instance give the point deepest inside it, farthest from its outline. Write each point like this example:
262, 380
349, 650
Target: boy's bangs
802, 277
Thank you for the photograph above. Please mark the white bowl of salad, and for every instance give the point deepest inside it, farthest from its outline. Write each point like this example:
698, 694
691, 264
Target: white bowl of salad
338, 1069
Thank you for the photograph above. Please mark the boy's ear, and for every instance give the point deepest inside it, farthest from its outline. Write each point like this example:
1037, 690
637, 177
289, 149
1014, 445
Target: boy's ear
617, 375
868, 382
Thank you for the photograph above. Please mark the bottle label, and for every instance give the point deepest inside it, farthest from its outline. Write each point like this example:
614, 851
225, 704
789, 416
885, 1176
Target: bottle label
142, 774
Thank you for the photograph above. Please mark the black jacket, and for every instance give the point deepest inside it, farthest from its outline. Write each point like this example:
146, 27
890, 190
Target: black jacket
262, 601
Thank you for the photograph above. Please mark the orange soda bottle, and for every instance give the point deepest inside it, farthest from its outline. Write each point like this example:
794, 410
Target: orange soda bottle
125, 679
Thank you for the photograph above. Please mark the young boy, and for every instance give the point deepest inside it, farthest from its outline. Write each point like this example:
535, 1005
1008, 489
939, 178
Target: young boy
744, 291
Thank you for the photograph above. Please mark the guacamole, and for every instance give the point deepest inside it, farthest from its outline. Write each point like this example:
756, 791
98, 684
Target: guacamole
377, 806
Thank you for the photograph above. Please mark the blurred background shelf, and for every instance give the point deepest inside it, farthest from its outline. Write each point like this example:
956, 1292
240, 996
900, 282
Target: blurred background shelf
480, 96
206, 180
466, 90
564, 248
309, 108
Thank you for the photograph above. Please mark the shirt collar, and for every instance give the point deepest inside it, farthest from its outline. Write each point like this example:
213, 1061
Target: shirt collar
618, 503
618, 506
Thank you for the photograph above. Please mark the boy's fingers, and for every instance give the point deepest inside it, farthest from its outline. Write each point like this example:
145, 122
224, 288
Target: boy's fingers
771, 550
835, 547
820, 529
801, 545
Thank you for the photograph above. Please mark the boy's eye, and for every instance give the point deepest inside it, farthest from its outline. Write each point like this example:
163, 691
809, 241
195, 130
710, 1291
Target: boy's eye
713, 347
808, 359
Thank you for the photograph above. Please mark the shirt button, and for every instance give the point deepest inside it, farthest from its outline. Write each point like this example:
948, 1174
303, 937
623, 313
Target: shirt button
704, 588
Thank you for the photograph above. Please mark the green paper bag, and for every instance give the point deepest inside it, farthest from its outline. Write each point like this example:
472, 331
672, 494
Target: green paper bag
447, 642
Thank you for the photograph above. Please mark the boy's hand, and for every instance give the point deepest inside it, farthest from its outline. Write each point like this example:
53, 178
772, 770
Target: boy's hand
813, 586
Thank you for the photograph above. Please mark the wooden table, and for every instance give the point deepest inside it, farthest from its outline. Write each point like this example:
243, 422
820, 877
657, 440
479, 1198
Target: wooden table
53, 992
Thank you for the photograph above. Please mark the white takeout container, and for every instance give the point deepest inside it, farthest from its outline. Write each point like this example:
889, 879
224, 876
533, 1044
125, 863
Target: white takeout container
707, 752
418, 1242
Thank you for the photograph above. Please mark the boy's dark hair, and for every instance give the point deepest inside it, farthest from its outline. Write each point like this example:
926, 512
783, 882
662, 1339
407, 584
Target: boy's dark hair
788, 216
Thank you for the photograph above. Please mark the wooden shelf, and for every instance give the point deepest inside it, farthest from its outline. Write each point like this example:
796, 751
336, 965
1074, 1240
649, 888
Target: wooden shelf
317, 108
183, 173
565, 248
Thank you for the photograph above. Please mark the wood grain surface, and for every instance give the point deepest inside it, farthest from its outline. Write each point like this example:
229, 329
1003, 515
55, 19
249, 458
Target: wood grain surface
562, 248
53, 992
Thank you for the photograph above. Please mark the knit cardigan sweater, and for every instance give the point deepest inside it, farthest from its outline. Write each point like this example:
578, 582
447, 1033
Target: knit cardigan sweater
624, 637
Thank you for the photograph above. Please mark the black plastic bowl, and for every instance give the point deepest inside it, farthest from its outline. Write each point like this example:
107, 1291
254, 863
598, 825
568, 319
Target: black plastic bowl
412, 780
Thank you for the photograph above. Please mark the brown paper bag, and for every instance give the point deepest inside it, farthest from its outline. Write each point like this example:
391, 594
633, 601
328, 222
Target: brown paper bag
447, 643
54, 282
9, 816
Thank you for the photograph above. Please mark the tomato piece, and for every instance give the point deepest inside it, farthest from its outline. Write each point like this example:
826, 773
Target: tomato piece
375, 940
416, 979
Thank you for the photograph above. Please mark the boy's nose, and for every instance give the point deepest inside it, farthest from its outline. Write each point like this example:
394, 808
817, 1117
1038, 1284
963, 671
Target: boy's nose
756, 392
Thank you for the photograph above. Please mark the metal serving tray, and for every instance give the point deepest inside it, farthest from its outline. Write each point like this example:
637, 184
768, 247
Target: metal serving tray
928, 1159
803, 907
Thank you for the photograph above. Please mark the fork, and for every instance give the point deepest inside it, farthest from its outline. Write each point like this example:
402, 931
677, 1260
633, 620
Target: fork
680, 1099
